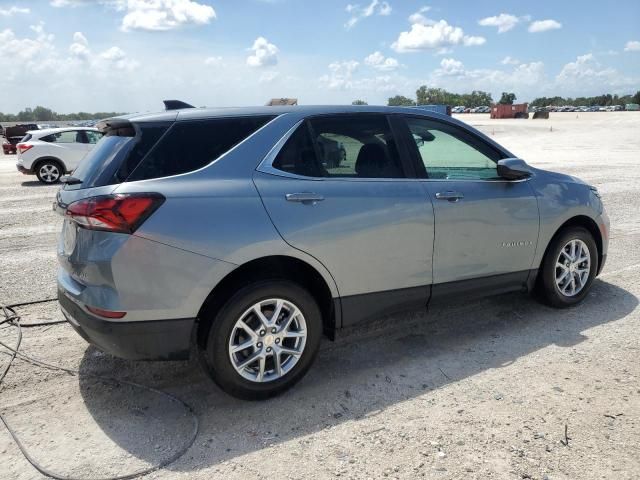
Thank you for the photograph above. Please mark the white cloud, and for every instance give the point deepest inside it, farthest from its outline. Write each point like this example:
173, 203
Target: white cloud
264, 53
437, 35
544, 25
213, 61
632, 46
419, 17
152, 15
376, 7
80, 47
451, 67
378, 61
586, 76
340, 76
11, 11
79, 37
268, 77
453, 75
504, 22
69, 3
509, 61
164, 14
471, 41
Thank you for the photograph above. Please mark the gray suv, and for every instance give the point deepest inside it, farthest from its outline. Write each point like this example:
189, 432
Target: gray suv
225, 233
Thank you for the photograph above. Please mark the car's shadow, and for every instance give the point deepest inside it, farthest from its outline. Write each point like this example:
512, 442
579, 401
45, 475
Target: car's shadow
37, 183
360, 374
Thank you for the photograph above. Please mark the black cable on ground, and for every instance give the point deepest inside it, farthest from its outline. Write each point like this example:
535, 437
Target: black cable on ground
13, 319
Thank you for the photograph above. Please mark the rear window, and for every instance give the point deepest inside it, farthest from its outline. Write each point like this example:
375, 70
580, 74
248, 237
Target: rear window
191, 145
26, 138
117, 154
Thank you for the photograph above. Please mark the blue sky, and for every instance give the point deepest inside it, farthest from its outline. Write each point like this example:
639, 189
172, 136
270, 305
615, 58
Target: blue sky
128, 55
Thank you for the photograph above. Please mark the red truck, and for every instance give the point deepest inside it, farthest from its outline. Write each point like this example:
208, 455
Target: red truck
14, 134
519, 110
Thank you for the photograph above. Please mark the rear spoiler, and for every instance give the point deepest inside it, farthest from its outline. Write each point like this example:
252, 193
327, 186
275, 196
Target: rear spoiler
109, 124
175, 105
123, 122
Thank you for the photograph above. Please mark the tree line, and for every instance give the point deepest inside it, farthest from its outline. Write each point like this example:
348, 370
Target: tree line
478, 98
599, 100
42, 114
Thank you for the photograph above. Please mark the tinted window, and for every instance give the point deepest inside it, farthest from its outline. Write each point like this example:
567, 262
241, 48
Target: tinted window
359, 146
449, 152
188, 146
117, 154
298, 155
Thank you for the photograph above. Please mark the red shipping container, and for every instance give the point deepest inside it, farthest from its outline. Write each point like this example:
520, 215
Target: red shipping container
510, 111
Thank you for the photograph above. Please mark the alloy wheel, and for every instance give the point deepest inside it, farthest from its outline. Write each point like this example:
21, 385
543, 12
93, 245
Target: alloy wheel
267, 340
573, 266
49, 173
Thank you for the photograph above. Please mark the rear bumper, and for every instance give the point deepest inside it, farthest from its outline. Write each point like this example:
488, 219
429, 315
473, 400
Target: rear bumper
21, 169
9, 149
138, 340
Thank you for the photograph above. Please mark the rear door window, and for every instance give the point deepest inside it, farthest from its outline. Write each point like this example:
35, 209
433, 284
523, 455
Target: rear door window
349, 146
191, 145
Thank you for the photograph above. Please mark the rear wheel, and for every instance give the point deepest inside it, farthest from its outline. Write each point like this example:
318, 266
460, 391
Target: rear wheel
49, 171
569, 268
263, 340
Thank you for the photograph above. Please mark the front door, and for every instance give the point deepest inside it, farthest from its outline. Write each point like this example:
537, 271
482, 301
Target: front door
485, 226
338, 190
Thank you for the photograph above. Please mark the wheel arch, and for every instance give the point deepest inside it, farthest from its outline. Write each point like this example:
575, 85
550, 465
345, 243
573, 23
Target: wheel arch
45, 158
585, 222
280, 267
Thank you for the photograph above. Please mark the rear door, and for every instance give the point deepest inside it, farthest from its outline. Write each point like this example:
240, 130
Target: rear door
485, 226
339, 190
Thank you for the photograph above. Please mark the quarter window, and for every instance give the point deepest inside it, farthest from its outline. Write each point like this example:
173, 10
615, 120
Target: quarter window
351, 146
191, 145
448, 152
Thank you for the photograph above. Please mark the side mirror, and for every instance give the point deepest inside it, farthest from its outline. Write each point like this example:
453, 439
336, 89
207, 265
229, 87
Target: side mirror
513, 169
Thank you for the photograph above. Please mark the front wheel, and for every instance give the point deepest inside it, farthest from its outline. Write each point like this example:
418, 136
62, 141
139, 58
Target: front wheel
263, 340
569, 268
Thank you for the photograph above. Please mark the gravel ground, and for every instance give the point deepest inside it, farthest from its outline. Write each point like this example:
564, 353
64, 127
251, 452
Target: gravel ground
480, 390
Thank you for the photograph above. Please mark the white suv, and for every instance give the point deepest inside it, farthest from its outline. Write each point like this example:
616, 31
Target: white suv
51, 153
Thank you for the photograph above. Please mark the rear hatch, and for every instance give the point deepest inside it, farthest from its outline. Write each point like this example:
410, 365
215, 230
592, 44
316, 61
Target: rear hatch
97, 222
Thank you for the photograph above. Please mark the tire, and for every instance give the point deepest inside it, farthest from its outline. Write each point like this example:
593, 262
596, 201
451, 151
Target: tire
245, 382
550, 290
49, 171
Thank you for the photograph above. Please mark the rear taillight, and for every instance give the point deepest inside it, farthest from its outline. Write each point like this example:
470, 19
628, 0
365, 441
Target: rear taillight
23, 147
120, 213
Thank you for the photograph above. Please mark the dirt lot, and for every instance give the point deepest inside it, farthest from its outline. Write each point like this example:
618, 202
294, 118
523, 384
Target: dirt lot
479, 390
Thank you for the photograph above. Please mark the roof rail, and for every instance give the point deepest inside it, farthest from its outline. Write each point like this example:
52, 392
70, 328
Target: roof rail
176, 105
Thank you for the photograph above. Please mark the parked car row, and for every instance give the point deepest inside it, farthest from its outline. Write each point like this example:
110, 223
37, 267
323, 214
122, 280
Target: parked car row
463, 109
586, 108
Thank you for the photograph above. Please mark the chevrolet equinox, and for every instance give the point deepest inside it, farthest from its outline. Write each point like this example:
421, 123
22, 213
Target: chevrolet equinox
233, 234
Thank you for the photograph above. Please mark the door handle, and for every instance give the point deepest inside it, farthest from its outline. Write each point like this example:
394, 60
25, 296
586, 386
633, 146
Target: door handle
306, 197
450, 196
